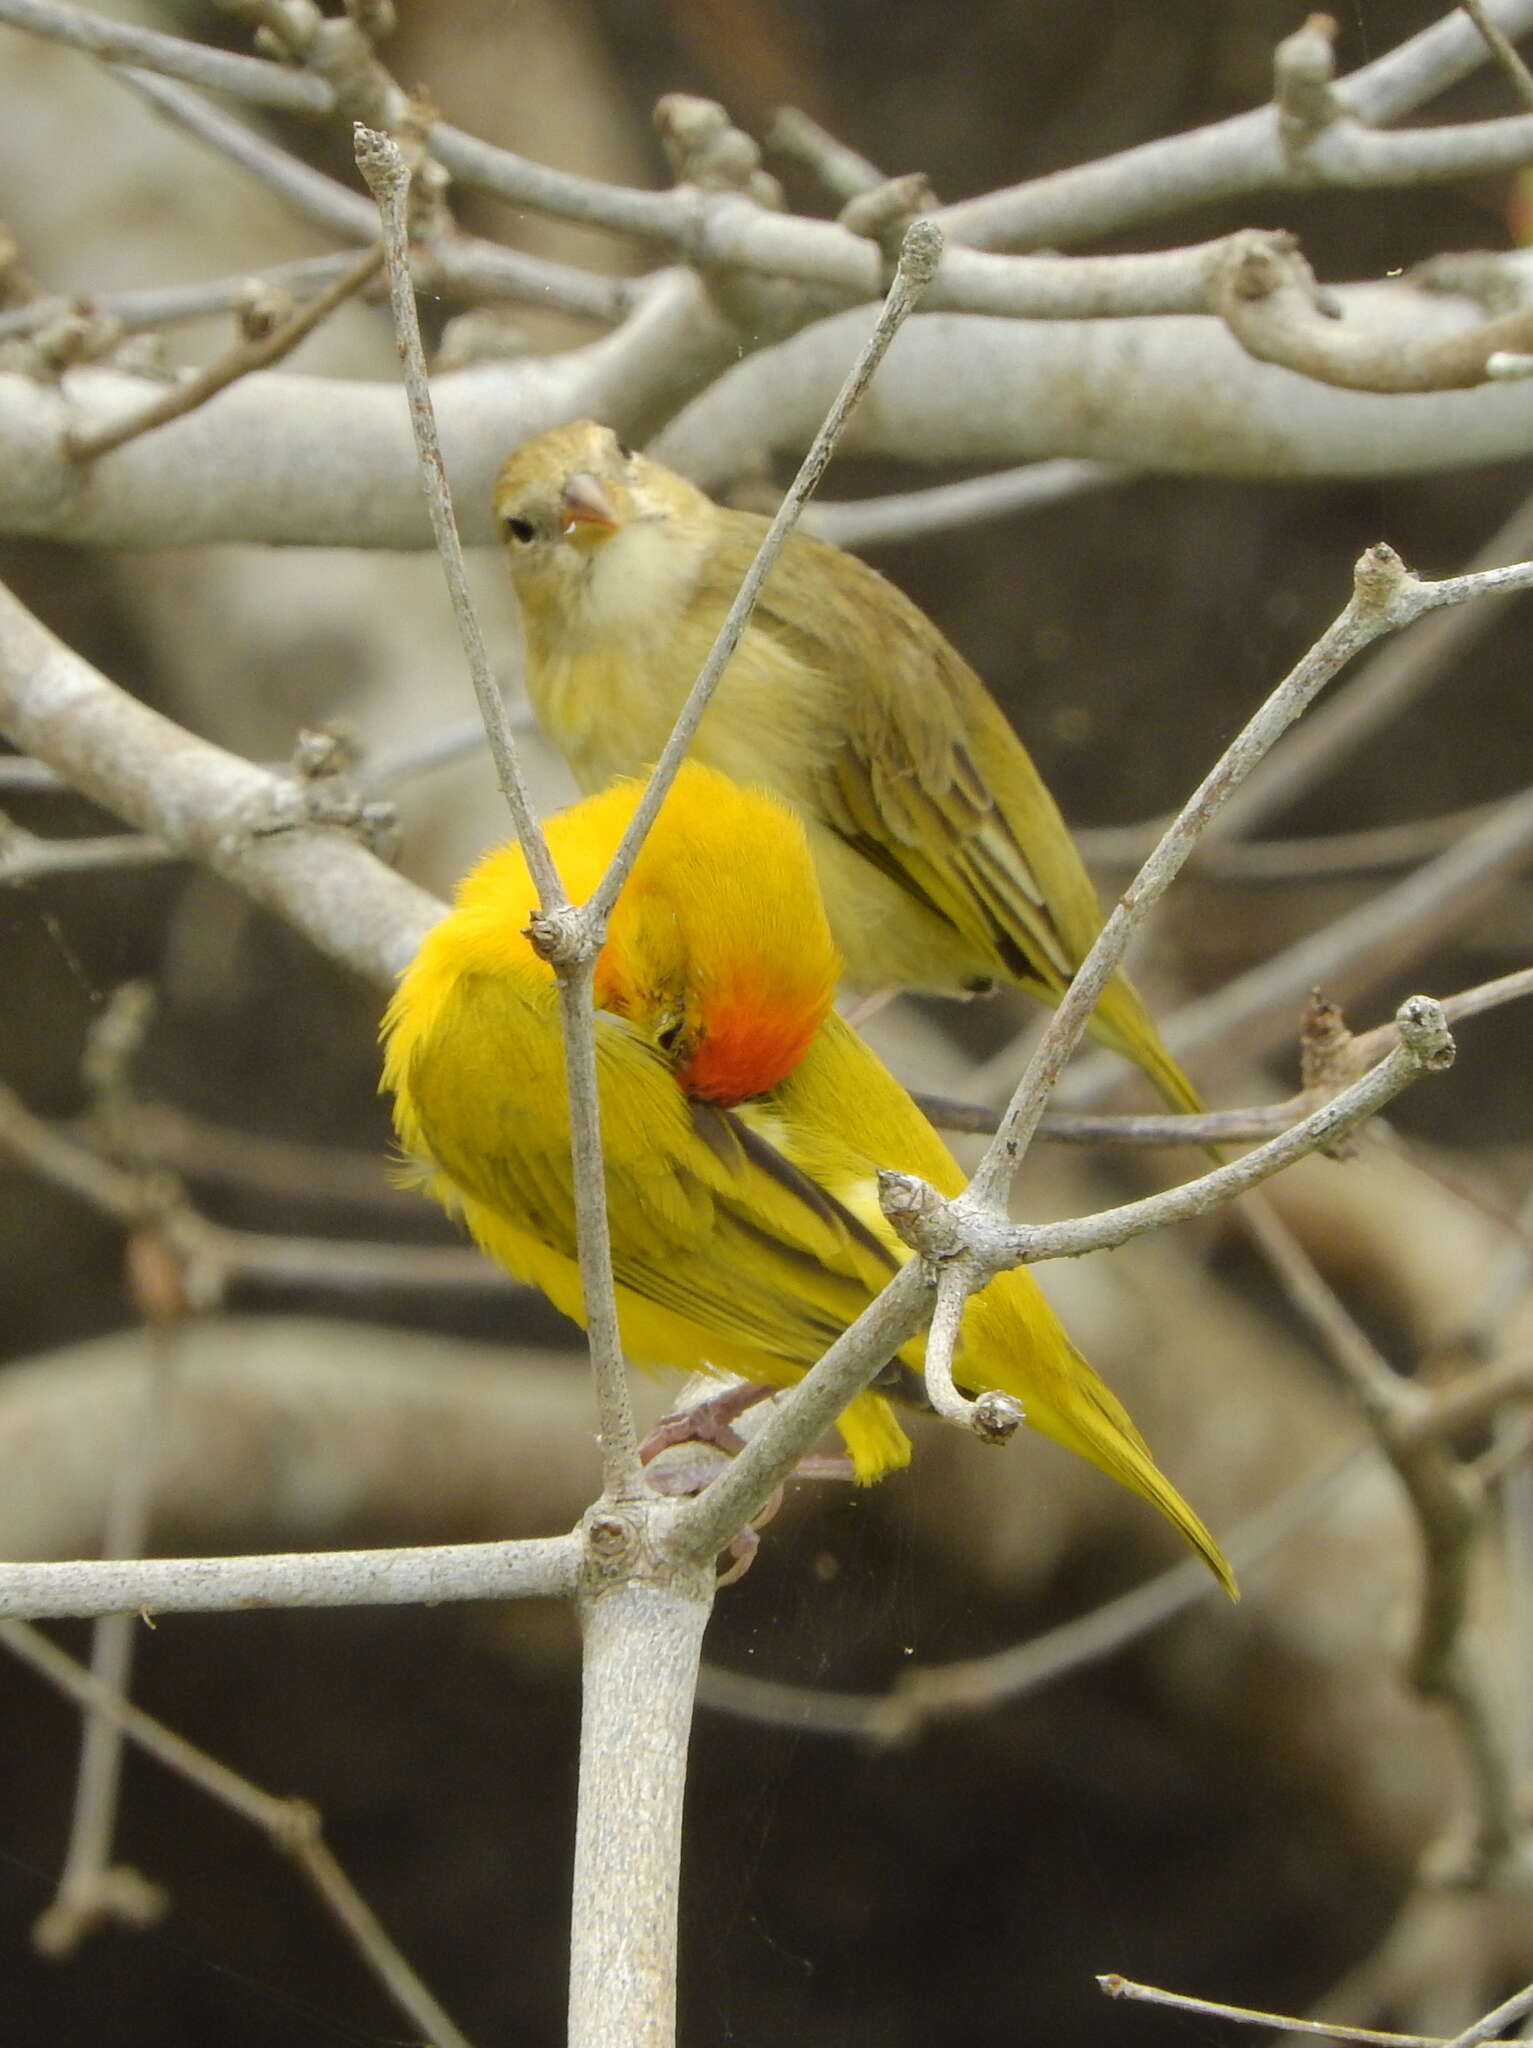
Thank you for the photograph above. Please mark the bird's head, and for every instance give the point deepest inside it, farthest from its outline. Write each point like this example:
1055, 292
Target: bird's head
582, 514
718, 948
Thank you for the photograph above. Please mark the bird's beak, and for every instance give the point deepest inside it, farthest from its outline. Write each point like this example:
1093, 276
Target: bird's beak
589, 514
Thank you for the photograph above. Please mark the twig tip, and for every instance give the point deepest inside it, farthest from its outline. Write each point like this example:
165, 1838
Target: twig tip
381, 161
1423, 1026
921, 252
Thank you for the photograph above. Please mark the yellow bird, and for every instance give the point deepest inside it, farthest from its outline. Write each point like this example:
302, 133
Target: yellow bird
743, 1124
944, 862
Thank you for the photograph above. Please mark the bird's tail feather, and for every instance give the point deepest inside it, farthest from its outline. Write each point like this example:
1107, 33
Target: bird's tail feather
1099, 1429
1123, 1022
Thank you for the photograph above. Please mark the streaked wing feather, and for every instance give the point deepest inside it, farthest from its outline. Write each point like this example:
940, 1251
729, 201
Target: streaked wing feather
907, 779
711, 1220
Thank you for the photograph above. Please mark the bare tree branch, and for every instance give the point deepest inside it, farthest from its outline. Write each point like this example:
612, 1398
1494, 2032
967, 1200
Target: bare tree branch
533, 1568
291, 1825
248, 78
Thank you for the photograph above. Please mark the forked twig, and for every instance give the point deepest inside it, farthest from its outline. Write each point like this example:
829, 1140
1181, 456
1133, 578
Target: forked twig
291, 1825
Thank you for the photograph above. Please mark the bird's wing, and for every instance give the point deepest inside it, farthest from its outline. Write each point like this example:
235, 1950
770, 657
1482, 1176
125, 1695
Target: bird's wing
929, 781
708, 1218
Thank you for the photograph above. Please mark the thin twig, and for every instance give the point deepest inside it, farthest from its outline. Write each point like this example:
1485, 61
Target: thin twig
1425, 1048
284, 1169
1321, 857
149, 306
1122, 1987
329, 1263
459, 264
1391, 681
1448, 1504
1496, 2022
239, 361
383, 165
90, 1889
993, 1417
291, 1825
1254, 1012
974, 1685
920, 253
1504, 50
1069, 1127
843, 173
254, 79
27, 857
944, 508
1385, 597
1219, 1126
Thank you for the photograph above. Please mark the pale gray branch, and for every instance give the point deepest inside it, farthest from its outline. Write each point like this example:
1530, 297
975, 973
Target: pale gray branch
1174, 394
209, 805
1255, 1012
242, 467
456, 264
911, 515
1426, 1047
248, 78
536, 1567
642, 1645
1247, 153
1386, 596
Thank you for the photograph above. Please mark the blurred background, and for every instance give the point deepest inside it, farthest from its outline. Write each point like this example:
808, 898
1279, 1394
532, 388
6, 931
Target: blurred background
1235, 1804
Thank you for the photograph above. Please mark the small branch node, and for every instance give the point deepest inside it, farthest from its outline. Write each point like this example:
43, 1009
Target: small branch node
1423, 1026
295, 1825
564, 937
704, 148
322, 793
81, 335
1380, 579
920, 1217
322, 750
886, 214
618, 1542
260, 308
120, 1895
381, 162
1326, 1060
920, 253
996, 1418
1303, 74
1508, 366
1260, 262
341, 53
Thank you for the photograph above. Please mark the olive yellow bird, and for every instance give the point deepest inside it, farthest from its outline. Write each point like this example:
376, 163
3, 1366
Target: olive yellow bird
944, 862
743, 1124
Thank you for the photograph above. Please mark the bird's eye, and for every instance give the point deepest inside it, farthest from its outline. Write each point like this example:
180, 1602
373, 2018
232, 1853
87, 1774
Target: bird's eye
623, 449
521, 530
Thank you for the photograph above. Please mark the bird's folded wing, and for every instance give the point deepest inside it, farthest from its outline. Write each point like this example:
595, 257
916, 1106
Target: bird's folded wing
930, 782
707, 1217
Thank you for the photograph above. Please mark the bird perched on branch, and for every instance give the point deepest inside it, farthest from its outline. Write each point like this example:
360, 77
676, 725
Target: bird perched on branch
944, 862
743, 1124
